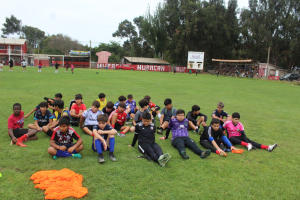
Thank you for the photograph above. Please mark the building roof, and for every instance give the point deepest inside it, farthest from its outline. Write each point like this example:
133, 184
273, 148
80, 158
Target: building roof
146, 60
234, 61
12, 41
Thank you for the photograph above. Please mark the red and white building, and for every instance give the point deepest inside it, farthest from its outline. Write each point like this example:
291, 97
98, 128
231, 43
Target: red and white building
15, 49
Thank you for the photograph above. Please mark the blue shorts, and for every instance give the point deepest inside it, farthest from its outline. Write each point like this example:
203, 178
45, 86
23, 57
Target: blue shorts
40, 67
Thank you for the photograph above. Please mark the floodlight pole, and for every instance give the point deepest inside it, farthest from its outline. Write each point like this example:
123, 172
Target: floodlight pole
90, 54
267, 73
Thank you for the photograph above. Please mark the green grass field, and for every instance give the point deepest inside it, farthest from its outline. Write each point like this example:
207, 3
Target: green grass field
269, 112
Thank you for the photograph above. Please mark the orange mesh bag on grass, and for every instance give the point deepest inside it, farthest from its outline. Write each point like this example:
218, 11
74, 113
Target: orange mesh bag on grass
238, 151
59, 184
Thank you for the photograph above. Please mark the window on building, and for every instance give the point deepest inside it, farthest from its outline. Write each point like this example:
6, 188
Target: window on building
2, 47
17, 48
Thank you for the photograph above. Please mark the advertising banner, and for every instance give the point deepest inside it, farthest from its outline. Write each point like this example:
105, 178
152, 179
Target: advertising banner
79, 53
195, 60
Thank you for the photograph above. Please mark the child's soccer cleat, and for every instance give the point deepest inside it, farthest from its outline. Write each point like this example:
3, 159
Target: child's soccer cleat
153, 120
101, 158
112, 157
160, 160
223, 154
184, 155
272, 147
166, 159
121, 135
20, 142
160, 131
206, 153
54, 157
200, 132
249, 146
76, 155
197, 130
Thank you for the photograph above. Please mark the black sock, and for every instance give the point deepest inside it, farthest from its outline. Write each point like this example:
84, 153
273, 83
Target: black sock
49, 132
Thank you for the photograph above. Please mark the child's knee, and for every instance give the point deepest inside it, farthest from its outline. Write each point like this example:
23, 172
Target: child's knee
80, 148
52, 150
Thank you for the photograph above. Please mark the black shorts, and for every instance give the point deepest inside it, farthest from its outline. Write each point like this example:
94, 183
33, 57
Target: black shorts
19, 132
41, 124
195, 123
89, 127
23, 66
118, 126
69, 145
56, 67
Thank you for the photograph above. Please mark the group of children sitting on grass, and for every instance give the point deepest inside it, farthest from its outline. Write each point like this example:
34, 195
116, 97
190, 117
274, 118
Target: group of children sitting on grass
104, 119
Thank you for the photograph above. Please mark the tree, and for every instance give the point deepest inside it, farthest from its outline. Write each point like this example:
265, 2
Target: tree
33, 35
125, 30
153, 30
12, 25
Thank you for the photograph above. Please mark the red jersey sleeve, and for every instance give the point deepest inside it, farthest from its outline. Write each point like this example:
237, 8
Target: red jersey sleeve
53, 137
10, 122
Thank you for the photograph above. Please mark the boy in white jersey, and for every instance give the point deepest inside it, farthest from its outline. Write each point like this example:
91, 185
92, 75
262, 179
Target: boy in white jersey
90, 118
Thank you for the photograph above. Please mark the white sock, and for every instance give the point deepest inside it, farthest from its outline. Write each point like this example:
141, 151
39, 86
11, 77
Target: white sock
159, 115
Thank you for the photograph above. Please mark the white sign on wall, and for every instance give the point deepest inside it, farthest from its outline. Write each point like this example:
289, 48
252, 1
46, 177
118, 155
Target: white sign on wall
195, 60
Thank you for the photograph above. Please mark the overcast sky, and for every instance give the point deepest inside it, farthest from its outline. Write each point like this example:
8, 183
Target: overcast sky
83, 20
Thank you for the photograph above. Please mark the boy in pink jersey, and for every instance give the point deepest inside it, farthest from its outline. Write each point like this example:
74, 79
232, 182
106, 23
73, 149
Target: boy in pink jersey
236, 134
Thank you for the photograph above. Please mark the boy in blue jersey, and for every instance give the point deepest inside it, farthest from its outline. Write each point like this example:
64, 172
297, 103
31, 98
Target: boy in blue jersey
59, 112
104, 138
109, 108
42, 119
219, 113
180, 136
49, 101
213, 137
132, 103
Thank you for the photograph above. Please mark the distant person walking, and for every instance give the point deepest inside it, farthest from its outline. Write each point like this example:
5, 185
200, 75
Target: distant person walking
40, 67
56, 67
67, 67
72, 67
190, 72
1, 65
174, 71
11, 65
218, 74
196, 72
24, 63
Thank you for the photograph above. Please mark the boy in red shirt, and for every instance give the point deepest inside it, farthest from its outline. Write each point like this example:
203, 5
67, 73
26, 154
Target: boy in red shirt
118, 118
15, 127
76, 110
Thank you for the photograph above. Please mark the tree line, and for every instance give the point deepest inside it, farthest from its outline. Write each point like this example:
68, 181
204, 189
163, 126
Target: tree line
221, 31
178, 26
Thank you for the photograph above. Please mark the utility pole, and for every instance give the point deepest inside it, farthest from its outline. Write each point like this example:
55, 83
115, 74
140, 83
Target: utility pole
267, 73
90, 54
38, 52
